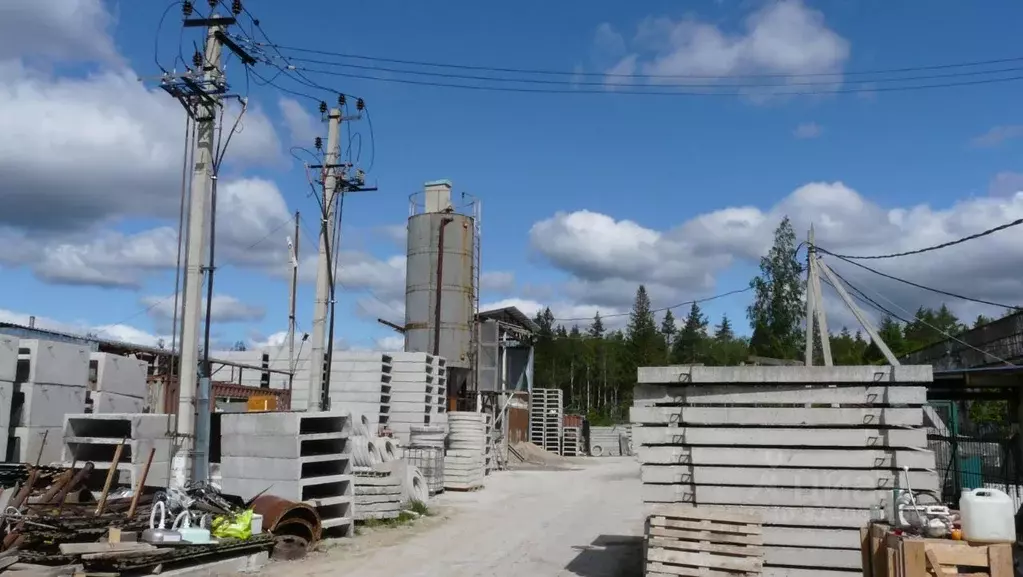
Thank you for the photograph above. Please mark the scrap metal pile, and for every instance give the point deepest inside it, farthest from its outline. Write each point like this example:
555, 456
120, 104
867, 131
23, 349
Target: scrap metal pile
52, 523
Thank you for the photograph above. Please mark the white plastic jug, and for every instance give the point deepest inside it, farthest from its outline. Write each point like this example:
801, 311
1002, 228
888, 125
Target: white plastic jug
988, 516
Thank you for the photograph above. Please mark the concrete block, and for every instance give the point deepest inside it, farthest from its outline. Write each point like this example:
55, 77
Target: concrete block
8, 358
283, 446
107, 402
802, 458
46, 404
784, 477
780, 437
304, 470
57, 363
36, 444
285, 423
118, 426
777, 416
799, 374
776, 394
120, 375
764, 496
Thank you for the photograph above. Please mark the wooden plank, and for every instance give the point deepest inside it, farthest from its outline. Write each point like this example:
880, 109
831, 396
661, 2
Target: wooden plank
778, 437
693, 395
836, 478
960, 553
798, 458
863, 374
865, 555
777, 416
690, 513
103, 547
662, 570
738, 550
707, 560
706, 535
732, 528
1000, 560
794, 572
764, 496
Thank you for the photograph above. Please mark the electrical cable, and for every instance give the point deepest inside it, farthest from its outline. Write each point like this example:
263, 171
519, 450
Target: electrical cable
918, 285
603, 83
633, 92
987, 232
156, 36
186, 181
943, 66
941, 331
662, 309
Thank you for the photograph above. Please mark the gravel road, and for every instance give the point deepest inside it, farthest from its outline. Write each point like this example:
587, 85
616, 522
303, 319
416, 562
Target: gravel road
585, 521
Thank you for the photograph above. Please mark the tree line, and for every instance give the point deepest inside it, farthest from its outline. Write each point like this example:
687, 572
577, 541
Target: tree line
596, 368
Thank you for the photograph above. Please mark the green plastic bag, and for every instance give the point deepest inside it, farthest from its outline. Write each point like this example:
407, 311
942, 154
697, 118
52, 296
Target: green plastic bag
237, 527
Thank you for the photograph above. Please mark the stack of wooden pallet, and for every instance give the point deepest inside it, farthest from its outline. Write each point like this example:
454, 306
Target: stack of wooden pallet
686, 540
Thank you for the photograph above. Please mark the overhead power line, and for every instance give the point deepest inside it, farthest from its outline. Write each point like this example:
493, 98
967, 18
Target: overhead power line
536, 71
619, 89
662, 309
918, 285
987, 232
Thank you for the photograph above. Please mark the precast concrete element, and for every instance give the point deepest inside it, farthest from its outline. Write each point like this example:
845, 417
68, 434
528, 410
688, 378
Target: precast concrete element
94, 437
35, 445
52, 379
8, 358
377, 495
416, 393
6, 410
465, 464
115, 403
571, 442
801, 447
606, 441
305, 457
46, 404
120, 375
361, 382
546, 414
55, 363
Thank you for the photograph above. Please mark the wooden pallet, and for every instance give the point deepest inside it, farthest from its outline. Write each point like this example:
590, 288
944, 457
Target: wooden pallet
888, 555
689, 541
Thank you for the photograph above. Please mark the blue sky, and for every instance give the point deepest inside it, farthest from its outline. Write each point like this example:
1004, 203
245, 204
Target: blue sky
585, 195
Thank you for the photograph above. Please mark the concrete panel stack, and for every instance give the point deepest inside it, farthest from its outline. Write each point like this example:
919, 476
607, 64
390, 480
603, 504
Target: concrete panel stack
465, 462
305, 457
120, 385
8, 372
360, 382
546, 410
440, 370
426, 452
95, 437
606, 441
414, 397
53, 379
571, 442
805, 448
377, 495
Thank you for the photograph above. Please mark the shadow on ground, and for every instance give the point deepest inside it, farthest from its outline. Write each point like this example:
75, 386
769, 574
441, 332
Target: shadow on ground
609, 556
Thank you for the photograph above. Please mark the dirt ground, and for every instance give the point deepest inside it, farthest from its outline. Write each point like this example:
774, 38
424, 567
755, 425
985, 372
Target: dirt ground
584, 521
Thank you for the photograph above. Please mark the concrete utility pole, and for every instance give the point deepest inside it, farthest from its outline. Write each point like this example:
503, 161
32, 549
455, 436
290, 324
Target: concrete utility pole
815, 305
323, 268
291, 308
195, 254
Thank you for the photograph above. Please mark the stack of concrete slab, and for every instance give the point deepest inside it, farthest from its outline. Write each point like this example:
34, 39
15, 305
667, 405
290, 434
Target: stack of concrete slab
120, 385
571, 442
8, 372
303, 457
546, 411
607, 441
440, 393
809, 449
95, 437
377, 495
53, 380
360, 382
414, 392
465, 462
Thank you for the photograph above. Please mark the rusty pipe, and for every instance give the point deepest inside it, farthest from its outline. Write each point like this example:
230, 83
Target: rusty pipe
76, 480
444, 222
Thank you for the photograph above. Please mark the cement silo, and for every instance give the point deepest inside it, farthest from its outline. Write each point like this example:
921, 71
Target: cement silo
442, 277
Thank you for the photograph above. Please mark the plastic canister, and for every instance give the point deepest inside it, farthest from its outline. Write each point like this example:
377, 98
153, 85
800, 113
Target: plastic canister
988, 516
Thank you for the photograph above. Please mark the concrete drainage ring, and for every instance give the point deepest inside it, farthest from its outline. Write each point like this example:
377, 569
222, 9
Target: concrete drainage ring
596, 450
